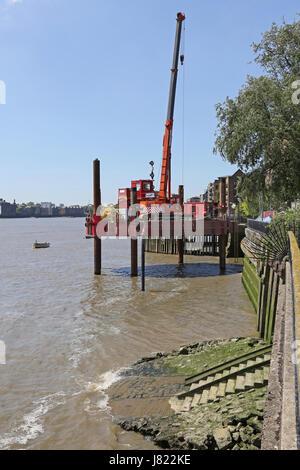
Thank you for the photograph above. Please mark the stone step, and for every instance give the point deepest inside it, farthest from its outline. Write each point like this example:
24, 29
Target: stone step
221, 389
204, 397
258, 376
249, 380
234, 369
242, 365
230, 386
209, 379
251, 363
187, 403
240, 383
175, 404
238, 361
212, 393
219, 384
218, 376
266, 373
196, 399
225, 372
259, 359
197, 384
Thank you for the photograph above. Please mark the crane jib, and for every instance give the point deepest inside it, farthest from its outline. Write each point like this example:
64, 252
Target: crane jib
165, 180
174, 70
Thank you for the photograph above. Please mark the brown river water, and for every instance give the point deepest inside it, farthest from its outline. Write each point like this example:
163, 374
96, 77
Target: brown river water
68, 334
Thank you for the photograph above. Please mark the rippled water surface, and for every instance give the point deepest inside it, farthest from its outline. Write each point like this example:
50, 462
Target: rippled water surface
68, 334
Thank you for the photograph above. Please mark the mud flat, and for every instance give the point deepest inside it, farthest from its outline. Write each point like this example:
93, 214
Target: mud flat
140, 401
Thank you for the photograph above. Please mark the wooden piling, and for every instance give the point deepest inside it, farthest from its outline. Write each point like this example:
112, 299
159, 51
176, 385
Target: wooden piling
97, 203
134, 241
236, 240
143, 264
222, 251
181, 240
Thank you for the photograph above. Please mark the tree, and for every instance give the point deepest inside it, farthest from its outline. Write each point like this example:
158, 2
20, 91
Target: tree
259, 130
289, 220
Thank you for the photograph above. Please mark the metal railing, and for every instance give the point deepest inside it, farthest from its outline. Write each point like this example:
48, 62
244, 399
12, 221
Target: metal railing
258, 225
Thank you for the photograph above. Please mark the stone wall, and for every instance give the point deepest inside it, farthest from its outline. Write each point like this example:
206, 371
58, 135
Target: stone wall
275, 294
281, 429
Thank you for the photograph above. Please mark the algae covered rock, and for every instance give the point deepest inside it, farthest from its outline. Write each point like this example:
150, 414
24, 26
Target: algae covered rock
231, 422
223, 438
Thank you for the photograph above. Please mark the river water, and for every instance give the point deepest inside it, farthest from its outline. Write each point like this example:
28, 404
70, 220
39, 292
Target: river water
68, 334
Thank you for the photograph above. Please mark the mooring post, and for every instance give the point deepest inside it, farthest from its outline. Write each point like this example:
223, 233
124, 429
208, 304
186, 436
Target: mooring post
222, 251
134, 241
143, 264
181, 240
236, 239
97, 203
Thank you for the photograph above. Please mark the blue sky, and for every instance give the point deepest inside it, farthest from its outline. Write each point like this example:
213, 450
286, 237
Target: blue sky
90, 78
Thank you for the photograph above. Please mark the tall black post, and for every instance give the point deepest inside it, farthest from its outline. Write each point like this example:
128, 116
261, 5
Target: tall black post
222, 251
181, 240
134, 241
143, 264
97, 203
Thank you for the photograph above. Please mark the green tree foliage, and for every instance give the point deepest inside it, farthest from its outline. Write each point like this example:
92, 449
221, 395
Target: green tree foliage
289, 220
259, 130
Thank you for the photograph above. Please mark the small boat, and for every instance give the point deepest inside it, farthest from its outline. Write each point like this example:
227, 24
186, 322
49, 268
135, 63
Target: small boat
40, 245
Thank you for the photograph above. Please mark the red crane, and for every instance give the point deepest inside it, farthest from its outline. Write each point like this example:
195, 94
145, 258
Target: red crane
146, 195
164, 194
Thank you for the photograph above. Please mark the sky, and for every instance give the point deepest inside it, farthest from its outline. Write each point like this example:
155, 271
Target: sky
90, 79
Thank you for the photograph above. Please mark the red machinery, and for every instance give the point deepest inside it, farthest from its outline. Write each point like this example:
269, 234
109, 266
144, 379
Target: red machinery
146, 195
201, 209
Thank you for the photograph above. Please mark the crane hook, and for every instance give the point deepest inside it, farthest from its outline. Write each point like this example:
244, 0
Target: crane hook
182, 59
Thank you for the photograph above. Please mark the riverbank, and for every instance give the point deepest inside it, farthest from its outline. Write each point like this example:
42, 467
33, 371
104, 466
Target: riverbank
140, 401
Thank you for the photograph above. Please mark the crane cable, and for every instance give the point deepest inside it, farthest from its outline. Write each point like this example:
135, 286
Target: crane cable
183, 103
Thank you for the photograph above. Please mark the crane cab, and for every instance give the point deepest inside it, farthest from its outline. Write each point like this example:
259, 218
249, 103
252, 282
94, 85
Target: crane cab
144, 190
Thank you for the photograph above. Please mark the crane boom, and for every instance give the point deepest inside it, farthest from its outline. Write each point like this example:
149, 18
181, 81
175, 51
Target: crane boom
164, 194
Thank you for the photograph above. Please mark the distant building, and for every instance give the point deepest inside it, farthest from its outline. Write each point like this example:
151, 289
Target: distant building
223, 192
72, 211
231, 197
46, 209
194, 199
7, 209
210, 192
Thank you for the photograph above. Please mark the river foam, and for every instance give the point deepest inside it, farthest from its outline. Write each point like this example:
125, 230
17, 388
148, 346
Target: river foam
102, 384
32, 425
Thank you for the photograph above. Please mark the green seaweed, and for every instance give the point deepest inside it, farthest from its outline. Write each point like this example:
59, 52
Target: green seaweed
196, 362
